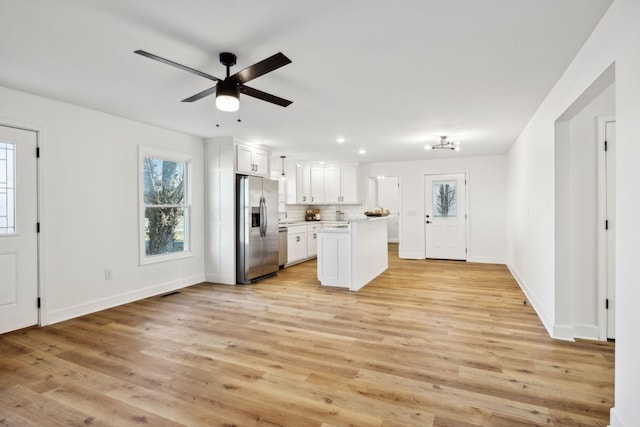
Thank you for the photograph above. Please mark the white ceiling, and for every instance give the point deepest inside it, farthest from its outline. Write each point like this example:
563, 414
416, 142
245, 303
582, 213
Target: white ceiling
387, 76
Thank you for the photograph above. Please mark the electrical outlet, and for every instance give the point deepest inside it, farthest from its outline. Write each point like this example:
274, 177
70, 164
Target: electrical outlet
108, 274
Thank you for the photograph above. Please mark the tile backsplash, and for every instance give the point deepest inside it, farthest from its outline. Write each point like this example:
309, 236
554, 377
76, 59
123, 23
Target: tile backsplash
327, 212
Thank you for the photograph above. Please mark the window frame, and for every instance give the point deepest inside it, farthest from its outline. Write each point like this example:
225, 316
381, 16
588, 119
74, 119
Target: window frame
11, 163
171, 156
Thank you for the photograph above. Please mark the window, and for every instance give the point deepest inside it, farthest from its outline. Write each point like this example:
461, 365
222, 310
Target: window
166, 204
7, 188
444, 199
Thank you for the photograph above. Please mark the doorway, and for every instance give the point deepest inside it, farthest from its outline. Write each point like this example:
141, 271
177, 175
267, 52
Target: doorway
607, 233
445, 216
384, 191
18, 232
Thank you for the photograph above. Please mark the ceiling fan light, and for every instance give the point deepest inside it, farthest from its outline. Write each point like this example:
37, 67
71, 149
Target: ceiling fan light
227, 103
227, 97
428, 147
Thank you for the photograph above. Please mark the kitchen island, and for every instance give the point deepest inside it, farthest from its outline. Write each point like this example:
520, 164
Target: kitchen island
353, 255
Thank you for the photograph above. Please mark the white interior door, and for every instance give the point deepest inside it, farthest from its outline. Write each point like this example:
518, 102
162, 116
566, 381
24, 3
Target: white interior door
18, 235
445, 216
610, 156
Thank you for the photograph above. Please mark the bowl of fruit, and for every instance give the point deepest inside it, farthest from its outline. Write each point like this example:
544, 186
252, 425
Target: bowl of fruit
378, 212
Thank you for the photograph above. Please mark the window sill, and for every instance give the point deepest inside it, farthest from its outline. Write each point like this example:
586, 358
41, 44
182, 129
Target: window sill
154, 259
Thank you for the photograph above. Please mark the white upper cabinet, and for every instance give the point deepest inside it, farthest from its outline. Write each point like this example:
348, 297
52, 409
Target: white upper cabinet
350, 184
317, 185
321, 185
333, 184
252, 161
341, 184
303, 184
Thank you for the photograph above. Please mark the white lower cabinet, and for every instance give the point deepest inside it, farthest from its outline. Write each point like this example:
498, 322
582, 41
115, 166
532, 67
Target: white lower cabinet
302, 242
312, 240
297, 246
334, 259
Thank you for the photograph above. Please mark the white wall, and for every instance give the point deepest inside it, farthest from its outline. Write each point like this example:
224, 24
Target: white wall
531, 184
626, 33
486, 192
89, 206
531, 172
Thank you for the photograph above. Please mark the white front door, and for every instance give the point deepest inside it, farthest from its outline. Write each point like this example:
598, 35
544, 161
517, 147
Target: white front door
18, 234
445, 216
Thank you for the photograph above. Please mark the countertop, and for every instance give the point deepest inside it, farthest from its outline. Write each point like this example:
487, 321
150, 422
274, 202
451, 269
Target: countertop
363, 218
322, 222
370, 218
339, 229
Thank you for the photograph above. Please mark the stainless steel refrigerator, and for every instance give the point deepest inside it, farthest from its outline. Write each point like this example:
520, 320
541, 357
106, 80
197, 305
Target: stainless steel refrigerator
257, 228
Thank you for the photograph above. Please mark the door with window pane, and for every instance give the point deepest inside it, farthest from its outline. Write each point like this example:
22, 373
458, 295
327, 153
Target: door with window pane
18, 237
445, 217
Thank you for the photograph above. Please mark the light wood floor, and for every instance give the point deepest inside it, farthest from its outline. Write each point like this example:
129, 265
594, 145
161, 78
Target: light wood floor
427, 343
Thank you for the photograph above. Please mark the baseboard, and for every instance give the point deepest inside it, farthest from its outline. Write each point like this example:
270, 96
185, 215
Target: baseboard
115, 300
557, 332
587, 332
562, 332
615, 420
220, 279
410, 255
486, 260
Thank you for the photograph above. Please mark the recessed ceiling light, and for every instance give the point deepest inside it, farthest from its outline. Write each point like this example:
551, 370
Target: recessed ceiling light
340, 140
362, 151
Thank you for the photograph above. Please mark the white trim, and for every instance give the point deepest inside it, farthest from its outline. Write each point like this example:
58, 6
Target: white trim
40, 137
123, 298
602, 235
588, 332
563, 332
173, 156
487, 260
615, 420
411, 255
560, 332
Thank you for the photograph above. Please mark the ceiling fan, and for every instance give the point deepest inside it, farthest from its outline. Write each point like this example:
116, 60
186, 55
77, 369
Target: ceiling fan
228, 90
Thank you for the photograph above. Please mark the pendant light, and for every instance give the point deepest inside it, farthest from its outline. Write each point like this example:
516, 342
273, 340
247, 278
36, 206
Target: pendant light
282, 175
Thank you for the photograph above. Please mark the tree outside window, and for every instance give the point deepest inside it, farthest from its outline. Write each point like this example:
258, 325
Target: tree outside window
165, 203
444, 199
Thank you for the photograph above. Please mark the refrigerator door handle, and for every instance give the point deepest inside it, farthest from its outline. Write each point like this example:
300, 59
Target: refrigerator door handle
263, 217
266, 218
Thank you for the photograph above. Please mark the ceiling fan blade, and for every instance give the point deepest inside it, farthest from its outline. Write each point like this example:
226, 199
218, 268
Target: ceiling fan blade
260, 68
200, 95
175, 64
264, 96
